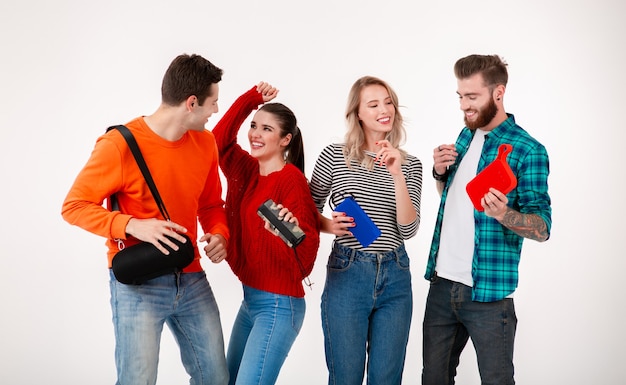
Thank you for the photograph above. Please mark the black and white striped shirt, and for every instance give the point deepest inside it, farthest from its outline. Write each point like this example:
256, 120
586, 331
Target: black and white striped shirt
372, 189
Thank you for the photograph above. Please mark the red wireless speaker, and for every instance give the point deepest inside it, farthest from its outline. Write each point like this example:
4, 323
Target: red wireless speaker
497, 174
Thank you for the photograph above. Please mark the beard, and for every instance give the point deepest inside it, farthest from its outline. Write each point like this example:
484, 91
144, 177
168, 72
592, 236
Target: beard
484, 116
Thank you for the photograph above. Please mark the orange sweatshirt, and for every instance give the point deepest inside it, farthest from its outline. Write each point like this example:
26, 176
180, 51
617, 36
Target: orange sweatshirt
185, 173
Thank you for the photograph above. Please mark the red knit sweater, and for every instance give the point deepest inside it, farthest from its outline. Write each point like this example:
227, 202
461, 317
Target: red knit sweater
260, 259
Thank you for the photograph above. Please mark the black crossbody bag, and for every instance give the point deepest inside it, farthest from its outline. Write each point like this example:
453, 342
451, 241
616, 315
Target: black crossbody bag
136, 264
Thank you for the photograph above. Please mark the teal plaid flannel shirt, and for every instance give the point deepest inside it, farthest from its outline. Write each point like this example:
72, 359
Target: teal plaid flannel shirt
497, 249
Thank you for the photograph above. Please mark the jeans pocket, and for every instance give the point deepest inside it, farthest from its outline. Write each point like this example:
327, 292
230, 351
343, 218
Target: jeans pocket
403, 262
338, 262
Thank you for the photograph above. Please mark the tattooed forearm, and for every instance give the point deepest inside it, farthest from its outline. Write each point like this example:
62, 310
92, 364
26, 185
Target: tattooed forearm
529, 226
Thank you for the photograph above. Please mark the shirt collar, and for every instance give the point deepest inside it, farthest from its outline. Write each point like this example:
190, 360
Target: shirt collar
504, 127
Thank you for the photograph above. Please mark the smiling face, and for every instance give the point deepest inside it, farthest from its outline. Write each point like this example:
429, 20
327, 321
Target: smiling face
477, 102
266, 143
201, 113
376, 110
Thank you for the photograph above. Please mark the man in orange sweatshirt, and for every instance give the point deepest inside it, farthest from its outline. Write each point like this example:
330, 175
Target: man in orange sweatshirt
183, 160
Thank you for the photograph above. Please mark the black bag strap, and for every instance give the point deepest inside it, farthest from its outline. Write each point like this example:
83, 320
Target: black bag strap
134, 148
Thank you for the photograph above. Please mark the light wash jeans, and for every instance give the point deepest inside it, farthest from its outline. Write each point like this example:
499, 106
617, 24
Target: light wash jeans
367, 307
186, 303
451, 317
263, 333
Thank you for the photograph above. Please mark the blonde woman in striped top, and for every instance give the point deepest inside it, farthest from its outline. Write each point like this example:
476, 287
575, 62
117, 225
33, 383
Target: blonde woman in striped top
367, 300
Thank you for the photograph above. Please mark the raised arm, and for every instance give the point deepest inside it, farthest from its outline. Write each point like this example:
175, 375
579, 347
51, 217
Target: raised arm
227, 128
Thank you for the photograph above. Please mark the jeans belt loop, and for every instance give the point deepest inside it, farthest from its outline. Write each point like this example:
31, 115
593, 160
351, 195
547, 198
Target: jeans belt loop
397, 252
352, 254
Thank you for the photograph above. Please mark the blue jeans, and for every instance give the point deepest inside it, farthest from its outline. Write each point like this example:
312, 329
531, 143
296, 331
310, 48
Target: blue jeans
451, 317
367, 306
186, 303
264, 331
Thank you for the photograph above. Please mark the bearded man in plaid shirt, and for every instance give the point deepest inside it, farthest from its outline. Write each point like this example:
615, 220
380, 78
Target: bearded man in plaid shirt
474, 256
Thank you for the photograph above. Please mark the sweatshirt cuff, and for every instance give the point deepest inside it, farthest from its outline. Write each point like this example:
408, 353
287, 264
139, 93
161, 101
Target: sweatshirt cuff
118, 226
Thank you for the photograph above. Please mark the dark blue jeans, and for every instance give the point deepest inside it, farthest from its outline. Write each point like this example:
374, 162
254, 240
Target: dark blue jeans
366, 315
451, 318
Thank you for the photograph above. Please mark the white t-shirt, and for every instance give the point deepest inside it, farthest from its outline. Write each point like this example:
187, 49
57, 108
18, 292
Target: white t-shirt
456, 247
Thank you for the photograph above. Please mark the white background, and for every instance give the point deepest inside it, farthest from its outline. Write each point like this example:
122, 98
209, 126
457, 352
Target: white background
71, 68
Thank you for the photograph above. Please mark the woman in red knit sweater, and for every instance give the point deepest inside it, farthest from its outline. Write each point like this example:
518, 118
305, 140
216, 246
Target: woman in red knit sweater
271, 271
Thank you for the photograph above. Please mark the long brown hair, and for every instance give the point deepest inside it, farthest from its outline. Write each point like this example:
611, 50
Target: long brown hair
294, 152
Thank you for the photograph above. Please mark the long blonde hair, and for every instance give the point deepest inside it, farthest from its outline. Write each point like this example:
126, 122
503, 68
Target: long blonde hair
355, 138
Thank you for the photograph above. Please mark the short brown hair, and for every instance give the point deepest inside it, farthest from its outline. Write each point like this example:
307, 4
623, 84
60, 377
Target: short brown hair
189, 75
492, 68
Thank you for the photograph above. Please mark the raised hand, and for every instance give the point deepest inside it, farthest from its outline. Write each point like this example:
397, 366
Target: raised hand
267, 90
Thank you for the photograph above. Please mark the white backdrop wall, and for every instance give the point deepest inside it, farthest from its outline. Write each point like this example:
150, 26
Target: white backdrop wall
71, 68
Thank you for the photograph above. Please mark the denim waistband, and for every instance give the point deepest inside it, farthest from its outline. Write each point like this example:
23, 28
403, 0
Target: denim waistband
364, 255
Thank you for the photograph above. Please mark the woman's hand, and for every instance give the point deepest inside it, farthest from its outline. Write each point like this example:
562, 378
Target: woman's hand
284, 215
267, 90
389, 156
341, 223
